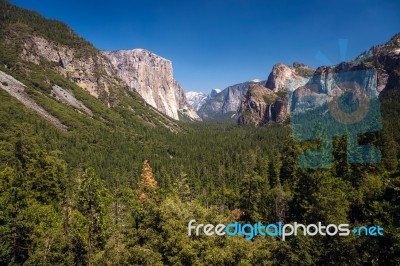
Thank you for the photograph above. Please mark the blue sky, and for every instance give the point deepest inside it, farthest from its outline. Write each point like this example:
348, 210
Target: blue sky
214, 44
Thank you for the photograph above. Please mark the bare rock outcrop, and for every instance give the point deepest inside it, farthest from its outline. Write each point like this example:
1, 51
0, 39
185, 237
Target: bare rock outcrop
17, 90
91, 71
151, 76
269, 103
261, 105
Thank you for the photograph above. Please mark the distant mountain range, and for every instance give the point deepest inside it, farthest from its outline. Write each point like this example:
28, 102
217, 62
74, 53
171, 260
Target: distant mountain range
196, 99
227, 103
263, 104
224, 104
45, 55
260, 102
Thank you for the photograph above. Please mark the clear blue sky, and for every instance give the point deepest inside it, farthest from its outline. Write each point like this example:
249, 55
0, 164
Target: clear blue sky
217, 43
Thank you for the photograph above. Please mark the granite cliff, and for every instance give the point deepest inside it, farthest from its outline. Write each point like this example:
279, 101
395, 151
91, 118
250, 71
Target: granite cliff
151, 76
269, 103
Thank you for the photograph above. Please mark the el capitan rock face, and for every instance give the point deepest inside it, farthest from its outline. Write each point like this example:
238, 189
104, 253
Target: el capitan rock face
151, 76
45, 57
140, 70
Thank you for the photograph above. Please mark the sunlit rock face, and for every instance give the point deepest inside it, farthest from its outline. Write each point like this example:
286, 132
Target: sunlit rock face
267, 103
152, 77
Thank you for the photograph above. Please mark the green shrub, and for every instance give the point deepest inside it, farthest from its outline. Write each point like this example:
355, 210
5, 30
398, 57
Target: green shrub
305, 71
269, 99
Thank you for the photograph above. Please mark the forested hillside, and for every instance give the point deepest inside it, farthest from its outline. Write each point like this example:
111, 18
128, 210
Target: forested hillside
119, 187
76, 198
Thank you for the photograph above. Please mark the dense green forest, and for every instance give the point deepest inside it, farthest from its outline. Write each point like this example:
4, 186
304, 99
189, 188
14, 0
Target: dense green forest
119, 188
77, 197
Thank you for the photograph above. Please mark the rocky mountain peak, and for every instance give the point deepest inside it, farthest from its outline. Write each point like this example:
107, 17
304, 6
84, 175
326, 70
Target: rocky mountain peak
269, 103
196, 99
152, 77
379, 66
224, 104
214, 92
394, 41
282, 74
278, 76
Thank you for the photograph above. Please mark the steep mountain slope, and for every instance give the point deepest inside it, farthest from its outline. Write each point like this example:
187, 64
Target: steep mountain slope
225, 103
309, 89
17, 90
214, 92
263, 104
283, 77
151, 76
384, 59
90, 71
60, 69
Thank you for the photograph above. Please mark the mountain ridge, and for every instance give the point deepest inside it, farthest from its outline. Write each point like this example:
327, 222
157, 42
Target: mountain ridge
42, 53
385, 59
224, 104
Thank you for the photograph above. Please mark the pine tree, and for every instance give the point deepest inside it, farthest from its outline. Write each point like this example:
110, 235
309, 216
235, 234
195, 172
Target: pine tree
250, 197
147, 184
92, 202
182, 188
